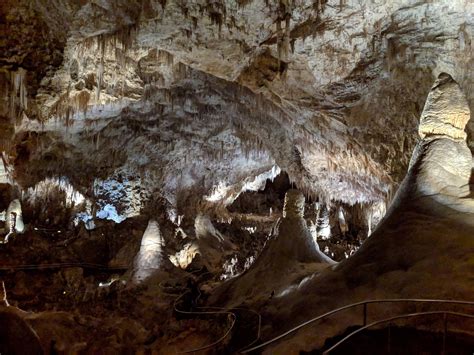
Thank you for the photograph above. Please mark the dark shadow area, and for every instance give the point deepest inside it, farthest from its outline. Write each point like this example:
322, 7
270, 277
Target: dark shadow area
260, 202
399, 340
471, 183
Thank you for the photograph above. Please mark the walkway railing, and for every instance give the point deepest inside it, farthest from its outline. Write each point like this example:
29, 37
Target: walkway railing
405, 316
217, 311
365, 305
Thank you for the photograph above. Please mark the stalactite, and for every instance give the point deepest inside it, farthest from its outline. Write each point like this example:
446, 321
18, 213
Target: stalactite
279, 43
195, 22
180, 71
100, 73
81, 101
18, 92
165, 57
286, 38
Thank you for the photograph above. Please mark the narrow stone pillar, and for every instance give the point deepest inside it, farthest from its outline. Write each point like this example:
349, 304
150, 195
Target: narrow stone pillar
441, 164
150, 256
14, 217
295, 240
323, 226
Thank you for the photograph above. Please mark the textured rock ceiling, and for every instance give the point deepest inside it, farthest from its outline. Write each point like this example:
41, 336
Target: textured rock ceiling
197, 98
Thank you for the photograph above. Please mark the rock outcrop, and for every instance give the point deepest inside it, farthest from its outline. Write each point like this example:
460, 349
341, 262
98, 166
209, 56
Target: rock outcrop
332, 96
294, 241
442, 161
118, 110
291, 250
424, 242
16, 335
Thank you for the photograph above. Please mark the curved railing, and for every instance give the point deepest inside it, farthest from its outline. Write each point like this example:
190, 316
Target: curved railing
234, 316
218, 310
259, 323
351, 306
231, 314
227, 311
403, 316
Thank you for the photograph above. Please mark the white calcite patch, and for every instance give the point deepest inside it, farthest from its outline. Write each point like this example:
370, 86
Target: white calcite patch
118, 200
150, 256
3, 172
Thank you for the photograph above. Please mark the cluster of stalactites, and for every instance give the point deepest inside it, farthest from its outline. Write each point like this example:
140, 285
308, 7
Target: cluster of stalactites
42, 192
283, 34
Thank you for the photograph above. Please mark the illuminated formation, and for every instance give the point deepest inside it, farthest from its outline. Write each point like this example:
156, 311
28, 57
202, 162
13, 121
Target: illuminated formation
149, 259
13, 220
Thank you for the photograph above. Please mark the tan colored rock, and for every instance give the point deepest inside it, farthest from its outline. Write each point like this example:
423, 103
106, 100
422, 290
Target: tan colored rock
294, 240
442, 161
185, 256
446, 110
294, 204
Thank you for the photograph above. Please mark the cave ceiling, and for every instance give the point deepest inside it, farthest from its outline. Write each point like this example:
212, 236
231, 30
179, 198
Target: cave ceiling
199, 98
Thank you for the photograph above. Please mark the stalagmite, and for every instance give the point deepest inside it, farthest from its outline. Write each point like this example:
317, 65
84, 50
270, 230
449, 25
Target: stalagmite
14, 217
323, 226
292, 246
446, 110
203, 227
294, 239
342, 221
3, 172
442, 162
150, 256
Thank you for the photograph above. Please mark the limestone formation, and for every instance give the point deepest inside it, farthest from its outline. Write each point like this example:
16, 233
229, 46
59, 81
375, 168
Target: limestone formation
290, 249
14, 217
150, 258
3, 173
442, 160
185, 256
204, 228
323, 226
446, 110
294, 241
423, 243
294, 205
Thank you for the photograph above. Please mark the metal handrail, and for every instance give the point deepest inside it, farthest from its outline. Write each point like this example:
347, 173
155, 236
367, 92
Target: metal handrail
259, 316
364, 303
223, 311
234, 317
409, 315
